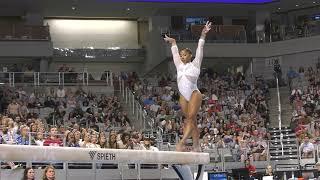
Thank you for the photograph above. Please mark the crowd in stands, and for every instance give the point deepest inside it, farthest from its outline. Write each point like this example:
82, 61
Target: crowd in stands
234, 112
73, 118
234, 115
305, 99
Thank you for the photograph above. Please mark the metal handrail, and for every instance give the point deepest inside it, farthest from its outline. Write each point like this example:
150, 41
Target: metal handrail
129, 98
279, 115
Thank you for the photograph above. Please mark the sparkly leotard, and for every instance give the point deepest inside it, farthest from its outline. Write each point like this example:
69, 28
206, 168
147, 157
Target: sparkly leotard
188, 73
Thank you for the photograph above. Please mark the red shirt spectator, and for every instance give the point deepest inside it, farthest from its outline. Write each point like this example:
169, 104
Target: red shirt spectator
251, 168
53, 140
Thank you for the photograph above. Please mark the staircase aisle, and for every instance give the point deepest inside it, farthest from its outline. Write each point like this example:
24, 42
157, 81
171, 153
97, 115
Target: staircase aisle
126, 107
290, 148
286, 108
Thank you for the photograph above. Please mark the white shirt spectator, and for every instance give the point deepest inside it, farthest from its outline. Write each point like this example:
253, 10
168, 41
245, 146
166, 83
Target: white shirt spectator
91, 145
166, 97
151, 148
61, 93
39, 142
154, 107
306, 147
296, 90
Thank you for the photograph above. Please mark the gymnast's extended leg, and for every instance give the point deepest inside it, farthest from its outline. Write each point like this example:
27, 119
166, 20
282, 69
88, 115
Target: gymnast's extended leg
184, 107
190, 128
193, 109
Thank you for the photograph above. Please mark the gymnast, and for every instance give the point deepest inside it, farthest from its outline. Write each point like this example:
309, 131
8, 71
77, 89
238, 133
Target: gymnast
190, 97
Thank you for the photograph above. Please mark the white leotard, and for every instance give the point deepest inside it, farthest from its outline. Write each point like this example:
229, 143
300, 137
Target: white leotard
188, 74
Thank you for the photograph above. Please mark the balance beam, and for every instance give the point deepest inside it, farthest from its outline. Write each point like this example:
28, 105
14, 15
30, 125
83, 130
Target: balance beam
72, 154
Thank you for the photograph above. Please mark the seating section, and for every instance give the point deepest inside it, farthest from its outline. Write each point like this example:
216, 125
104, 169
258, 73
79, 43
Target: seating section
304, 98
233, 115
66, 117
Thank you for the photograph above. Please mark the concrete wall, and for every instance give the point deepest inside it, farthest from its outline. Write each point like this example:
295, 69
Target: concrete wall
156, 47
25, 49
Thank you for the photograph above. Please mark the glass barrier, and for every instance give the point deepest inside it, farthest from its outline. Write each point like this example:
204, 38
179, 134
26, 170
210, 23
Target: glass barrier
56, 78
237, 34
24, 32
218, 34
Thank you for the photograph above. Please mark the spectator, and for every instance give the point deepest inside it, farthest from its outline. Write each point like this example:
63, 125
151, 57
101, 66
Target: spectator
103, 140
39, 139
23, 110
23, 137
28, 174
49, 173
112, 142
13, 108
269, 171
94, 141
260, 150
317, 172
53, 139
86, 140
33, 128
125, 142
307, 148
291, 74
49, 102
61, 93
77, 136
147, 145
105, 75
71, 141
251, 168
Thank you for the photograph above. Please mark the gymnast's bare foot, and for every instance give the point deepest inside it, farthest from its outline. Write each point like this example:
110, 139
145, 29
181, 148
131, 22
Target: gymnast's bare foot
180, 147
196, 148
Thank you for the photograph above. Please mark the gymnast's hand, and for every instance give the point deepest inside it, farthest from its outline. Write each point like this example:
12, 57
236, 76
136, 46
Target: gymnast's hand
170, 40
206, 28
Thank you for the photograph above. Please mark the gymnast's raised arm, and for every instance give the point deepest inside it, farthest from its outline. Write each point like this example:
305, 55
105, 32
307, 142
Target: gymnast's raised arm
174, 49
199, 53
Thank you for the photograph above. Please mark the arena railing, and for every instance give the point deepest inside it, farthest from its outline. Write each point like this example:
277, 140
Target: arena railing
136, 110
279, 115
57, 78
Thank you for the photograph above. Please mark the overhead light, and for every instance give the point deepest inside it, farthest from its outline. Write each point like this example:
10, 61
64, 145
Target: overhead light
297, 5
279, 8
128, 9
73, 8
89, 57
114, 48
313, 2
